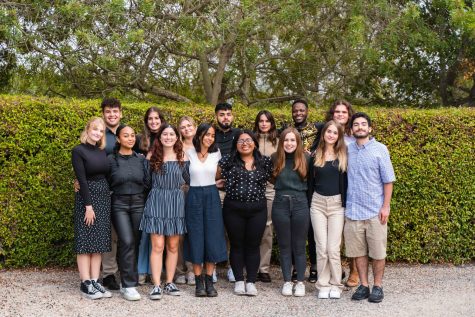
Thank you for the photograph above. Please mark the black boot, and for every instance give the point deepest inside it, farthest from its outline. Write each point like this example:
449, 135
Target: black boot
210, 290
200, 286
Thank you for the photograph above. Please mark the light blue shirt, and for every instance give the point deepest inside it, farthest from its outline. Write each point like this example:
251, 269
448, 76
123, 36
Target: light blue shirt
369, 168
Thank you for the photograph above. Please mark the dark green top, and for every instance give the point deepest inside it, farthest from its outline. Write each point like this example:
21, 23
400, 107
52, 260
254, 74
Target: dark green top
288, 182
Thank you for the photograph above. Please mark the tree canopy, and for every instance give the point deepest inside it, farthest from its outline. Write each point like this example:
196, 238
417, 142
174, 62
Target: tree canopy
415, 53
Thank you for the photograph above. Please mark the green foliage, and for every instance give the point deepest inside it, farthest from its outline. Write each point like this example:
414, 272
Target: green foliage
433, 210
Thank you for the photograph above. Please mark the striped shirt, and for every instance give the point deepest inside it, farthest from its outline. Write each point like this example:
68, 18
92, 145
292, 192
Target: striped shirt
369, 168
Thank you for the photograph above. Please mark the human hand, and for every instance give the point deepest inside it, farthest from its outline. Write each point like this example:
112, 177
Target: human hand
76, 186
89, 216
220, 183
383, 214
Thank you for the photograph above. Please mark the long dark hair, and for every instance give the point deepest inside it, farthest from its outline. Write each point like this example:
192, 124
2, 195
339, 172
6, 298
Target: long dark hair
235, 156
349, 108
145, 140
273, 129
116, 149
156, 160
200, 133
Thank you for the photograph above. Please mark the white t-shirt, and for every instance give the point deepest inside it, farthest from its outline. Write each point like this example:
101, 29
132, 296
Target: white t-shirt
203, 173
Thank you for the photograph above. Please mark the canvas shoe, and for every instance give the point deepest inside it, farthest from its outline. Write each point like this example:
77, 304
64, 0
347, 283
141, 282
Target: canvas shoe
299, 289
171, 289
130, 293
100, 288
156, 292
287, 289
89, 291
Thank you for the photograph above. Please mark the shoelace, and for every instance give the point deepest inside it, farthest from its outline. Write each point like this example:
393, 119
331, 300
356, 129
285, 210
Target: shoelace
98, 286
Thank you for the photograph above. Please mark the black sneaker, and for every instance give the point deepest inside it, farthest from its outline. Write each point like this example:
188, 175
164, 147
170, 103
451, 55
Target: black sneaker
100, 288
313, 277
171, 289
362, 292
156, 292
294, 276
263, 277
109, 282
89, 291
377, 295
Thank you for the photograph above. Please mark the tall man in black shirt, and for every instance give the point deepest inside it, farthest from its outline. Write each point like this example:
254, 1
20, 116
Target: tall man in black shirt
225, 135
111, 113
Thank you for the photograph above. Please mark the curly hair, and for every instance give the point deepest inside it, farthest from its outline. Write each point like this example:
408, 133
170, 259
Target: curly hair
157, 158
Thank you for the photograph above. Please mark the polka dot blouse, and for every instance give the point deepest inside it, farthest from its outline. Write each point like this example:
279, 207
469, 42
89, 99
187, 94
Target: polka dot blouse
244, 185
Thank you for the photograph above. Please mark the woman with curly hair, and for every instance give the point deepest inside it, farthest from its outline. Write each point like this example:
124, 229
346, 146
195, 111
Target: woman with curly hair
164, 213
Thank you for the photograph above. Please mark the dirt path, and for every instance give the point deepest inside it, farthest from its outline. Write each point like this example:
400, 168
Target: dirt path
410, 290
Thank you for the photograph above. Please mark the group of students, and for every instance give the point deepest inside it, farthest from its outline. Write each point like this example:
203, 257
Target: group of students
197, 186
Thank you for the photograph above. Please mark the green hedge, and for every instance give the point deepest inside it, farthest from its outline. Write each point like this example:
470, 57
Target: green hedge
432, 216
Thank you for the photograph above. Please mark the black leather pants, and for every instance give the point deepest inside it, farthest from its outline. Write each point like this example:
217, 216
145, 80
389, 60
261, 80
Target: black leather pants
126, 215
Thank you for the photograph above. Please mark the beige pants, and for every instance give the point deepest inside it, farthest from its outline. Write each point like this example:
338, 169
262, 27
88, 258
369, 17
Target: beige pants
182, 266
266, 242
327, 217
109, 259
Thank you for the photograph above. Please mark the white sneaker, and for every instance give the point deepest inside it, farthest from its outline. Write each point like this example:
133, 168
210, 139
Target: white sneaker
251, 289
287, 289
239, 288
130, 293
215, 276
324, 293
180, 279
299, 289
231, 277
190, 278
335, 294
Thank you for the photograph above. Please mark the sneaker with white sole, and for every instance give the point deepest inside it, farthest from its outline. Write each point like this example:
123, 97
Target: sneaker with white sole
156, 292
89, 291
335, 294
171, 289
251, 289
215, 276
299, 289
287, 289
130, 293
324, 293
231, 277
190, 278
239, 288
180, 279
100, 288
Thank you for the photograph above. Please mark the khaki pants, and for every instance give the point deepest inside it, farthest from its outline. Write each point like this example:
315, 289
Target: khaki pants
109, 259
327, 216
266, 242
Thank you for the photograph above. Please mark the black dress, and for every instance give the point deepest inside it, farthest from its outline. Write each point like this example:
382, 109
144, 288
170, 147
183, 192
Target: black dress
91, 166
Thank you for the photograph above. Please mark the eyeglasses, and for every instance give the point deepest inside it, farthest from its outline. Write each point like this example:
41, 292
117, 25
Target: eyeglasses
247, 141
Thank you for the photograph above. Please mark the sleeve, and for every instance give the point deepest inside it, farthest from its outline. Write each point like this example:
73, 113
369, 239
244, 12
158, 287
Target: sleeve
80, 172
110, 162
224, 163
343, 187
269, 167
386, 167
186, 172
147, 175
310, 180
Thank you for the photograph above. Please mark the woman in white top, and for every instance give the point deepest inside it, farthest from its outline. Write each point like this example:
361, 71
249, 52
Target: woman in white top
205, 241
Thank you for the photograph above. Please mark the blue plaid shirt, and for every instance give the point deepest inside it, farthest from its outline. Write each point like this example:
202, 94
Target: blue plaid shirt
369, 168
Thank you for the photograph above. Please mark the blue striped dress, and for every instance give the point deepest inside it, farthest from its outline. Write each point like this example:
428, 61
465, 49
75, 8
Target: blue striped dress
164, 212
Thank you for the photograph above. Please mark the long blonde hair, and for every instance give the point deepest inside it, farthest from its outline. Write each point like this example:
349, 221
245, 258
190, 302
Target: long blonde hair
339, 147
92, 123
300, 162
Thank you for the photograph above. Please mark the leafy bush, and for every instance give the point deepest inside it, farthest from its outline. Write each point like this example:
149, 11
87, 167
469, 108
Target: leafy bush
432, 216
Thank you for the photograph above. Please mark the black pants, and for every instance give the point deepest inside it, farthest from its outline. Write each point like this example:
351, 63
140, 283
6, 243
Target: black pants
126, 214
245, 223
291, 217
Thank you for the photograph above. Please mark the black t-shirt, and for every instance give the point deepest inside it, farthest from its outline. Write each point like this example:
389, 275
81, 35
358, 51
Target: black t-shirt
327, 179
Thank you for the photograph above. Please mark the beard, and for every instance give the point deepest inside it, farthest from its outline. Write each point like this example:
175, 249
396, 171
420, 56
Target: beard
362, 135
224, 126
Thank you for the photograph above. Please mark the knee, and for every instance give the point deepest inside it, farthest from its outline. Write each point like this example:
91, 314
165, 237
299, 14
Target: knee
157, 247
172, 248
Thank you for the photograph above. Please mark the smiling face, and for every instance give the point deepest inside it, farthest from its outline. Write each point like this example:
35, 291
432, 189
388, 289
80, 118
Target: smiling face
360, 128
95, 133
264, 124
207, 138
154, 121
290, 143
299, 113
341, 114
168, 137
126, 138
112, 116
331, 135
245, 144
187, 129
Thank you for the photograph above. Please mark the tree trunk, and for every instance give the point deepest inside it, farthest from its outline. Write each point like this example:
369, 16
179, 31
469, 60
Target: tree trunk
225, 54
207, 85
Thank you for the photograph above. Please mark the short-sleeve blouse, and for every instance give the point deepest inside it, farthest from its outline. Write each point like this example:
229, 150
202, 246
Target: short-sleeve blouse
203, 173
243, 185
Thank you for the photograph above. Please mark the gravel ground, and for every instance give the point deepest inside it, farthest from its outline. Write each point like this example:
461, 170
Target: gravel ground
410, 290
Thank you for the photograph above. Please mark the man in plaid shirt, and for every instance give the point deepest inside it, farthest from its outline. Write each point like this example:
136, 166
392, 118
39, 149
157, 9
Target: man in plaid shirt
370, 185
